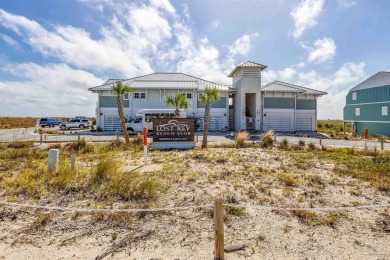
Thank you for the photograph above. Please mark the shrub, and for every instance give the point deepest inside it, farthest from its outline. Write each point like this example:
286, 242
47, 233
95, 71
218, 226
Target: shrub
289, 180
267, 139
301, 143
138, 141
21, 144
80, 145
311, 146
241, 138
103, 169
284, 144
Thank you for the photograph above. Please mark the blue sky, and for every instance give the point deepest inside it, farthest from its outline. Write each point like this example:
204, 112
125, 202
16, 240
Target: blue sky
51, 52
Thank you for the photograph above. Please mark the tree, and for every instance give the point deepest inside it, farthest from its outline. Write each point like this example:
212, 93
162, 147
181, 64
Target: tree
210, 94
179, 101
120, 89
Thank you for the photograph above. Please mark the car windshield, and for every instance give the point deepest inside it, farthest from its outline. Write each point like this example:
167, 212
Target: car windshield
138, 120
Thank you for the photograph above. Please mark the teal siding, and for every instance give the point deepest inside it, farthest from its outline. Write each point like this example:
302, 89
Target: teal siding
110, 101
378, 94
368, 112
306, 104
221, 103
373, 128
281, 103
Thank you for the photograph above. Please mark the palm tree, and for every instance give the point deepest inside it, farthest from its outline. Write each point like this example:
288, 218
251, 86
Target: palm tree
179, 101
210, 94
120, 90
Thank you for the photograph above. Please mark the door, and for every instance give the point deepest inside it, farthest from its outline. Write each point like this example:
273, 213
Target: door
304, 123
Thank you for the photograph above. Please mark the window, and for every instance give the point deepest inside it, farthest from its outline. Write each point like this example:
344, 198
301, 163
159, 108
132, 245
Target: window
189, 95
357, 111
140, 95
126, 96
354, 96
385, 111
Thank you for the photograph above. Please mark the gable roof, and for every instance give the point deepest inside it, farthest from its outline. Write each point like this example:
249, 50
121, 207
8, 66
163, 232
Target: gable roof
247, 64
163, 80
278, 86
379, 79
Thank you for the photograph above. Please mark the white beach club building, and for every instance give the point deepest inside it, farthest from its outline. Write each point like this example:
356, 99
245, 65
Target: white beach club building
245, 105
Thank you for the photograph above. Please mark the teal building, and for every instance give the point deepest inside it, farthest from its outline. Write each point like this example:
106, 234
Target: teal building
367, 105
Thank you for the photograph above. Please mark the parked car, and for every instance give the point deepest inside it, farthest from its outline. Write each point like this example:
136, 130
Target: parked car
75, 123
48, 121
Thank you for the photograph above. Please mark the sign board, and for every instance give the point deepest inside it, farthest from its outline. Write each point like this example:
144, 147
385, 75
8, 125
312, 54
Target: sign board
173, 129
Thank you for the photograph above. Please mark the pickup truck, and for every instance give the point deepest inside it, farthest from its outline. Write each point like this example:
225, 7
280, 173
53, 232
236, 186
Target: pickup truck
137, 126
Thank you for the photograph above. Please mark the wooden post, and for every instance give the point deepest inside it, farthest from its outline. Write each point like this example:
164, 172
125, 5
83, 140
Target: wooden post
320, 140
344, 127
382, 143
73, 161
52, 162
117, 136
41, 138
78, 138
219, 231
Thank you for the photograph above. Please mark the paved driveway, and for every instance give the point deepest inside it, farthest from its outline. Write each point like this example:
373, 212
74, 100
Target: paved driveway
28, 134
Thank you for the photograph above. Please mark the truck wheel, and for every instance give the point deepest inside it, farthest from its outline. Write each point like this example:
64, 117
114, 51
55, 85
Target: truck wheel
130, 131
82, 127
63, 127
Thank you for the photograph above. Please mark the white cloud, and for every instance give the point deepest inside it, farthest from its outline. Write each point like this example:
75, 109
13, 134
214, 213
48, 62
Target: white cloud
268, 76
346, 3
10, 41
323, 50
51, 90
186, 11
129, 39
305, 15
287, 73
215, 23
337, 85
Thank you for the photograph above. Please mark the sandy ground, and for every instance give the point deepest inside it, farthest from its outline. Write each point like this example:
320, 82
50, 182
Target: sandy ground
195, 179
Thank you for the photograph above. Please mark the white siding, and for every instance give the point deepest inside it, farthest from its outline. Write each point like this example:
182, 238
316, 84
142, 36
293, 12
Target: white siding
279, 120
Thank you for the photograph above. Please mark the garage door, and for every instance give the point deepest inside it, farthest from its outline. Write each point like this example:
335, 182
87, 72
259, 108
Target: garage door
112, 123
304, 123
279, 123
214, 125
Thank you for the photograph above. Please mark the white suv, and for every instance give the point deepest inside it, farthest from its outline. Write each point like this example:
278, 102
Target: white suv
75, 123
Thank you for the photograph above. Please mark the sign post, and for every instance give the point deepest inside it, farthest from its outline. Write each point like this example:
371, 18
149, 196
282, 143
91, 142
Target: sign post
145, 145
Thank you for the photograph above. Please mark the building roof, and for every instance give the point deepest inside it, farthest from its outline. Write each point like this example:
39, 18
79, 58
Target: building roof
164, 81
247, 64
278, 86
379, 79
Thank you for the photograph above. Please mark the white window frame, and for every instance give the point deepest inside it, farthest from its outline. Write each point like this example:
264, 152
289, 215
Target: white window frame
385, 111
354, 96
126, 96
357, 111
